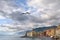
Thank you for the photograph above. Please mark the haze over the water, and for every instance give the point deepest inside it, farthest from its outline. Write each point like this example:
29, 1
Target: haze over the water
41, 13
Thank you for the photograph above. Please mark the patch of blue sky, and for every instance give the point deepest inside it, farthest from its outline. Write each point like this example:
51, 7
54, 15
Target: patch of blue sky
19, 3
6, 21
22, 3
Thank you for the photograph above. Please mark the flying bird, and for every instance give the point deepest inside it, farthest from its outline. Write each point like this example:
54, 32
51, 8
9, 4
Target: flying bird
26, 13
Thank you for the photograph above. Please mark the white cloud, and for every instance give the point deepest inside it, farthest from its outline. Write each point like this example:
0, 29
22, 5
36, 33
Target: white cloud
1, 17
42, 12
6, 28
47, 9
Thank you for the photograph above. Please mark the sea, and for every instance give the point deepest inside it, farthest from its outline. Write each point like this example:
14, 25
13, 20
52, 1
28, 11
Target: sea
11, 37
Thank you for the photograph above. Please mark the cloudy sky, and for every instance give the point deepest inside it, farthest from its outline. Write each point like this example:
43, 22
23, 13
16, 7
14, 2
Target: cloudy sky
42, 13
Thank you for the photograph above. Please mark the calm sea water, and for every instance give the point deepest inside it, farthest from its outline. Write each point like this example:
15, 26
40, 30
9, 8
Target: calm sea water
18, 38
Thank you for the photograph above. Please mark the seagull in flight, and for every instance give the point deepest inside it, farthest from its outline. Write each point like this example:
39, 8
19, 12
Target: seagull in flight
26, 13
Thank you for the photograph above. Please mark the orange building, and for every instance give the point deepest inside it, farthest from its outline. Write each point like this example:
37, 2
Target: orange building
50, 32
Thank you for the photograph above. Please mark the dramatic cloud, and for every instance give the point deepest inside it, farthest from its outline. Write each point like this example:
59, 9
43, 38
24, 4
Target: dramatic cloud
47, 9
42, 13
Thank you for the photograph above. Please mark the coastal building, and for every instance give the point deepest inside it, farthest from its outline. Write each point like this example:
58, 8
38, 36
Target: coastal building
58, 30
50, 32
44, 31
31, 33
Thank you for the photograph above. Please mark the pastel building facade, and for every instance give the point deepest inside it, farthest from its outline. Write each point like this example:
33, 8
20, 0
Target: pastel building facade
58, 30
44, 31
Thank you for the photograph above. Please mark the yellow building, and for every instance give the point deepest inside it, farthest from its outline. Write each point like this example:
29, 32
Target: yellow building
31, 34
58, 31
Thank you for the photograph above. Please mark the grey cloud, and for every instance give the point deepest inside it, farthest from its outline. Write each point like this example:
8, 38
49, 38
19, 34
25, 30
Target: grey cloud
23, 19
19, 16
50, 8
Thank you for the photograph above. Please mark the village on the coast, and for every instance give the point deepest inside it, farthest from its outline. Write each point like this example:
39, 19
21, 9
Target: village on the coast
50, 31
